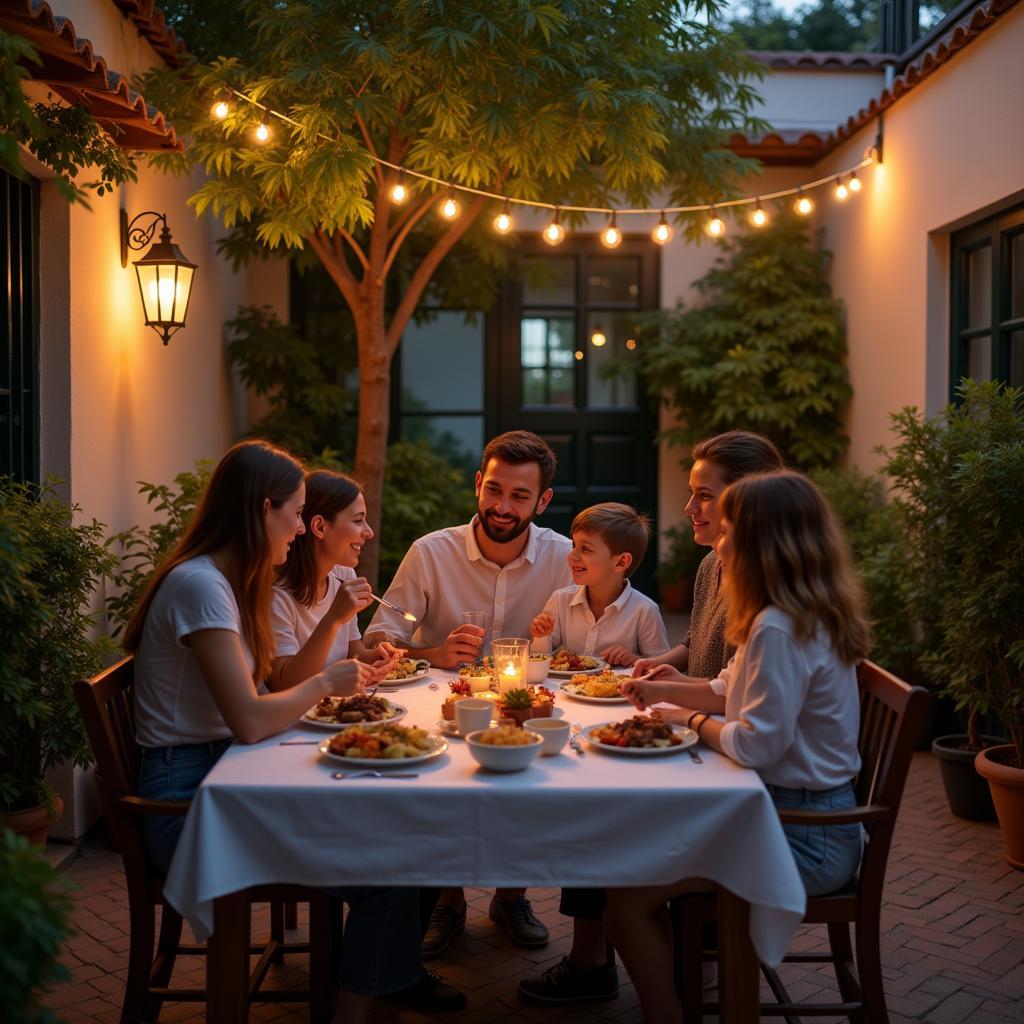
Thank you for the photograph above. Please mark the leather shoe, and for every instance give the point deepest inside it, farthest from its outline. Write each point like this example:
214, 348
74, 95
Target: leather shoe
566, 983
445, 923
517, 918
431, 994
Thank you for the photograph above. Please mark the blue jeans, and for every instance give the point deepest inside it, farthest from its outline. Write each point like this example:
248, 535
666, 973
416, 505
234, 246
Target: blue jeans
381, 948
826, 855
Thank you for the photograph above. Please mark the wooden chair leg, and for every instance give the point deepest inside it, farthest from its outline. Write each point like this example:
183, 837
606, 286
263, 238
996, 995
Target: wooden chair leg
277, 926
166, 954
846, 971
869, 971
291, 915
689, 915
322, 956
140, 962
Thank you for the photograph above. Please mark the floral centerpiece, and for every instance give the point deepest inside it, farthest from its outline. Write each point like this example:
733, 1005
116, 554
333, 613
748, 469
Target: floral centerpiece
527, 702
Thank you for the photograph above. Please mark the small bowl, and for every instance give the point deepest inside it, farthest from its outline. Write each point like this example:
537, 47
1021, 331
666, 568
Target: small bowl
503, 759
537, 669
554, 733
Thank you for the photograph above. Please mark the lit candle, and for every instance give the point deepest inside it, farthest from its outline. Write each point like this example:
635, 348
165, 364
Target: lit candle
510, 678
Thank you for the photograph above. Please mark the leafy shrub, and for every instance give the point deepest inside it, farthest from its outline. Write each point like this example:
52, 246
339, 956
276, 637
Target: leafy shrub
34, 911
765, 350
49, 568
681, 555
141, 551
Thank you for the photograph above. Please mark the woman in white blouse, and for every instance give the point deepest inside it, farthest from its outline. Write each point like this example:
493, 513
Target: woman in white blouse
318, 595
789, 696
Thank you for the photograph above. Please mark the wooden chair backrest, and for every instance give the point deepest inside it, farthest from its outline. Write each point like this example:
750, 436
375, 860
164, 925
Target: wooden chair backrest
891, 712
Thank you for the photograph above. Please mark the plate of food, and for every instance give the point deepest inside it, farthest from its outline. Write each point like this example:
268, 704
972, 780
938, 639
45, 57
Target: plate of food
360, 709
407, 670
640, 736
380, 746
603, 688
565, 664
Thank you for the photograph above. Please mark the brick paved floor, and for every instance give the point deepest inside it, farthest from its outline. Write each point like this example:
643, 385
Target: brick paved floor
953, 938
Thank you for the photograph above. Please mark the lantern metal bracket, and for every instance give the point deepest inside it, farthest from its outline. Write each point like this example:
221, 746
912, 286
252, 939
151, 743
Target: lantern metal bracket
138, 237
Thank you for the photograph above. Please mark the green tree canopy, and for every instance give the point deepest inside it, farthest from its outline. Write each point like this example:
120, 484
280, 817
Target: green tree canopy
572, 101
842, 25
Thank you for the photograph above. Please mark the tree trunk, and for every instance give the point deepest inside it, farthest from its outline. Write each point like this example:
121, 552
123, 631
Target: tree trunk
374, 410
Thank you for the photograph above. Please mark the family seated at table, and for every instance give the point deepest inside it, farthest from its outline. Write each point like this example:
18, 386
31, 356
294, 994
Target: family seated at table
213, 632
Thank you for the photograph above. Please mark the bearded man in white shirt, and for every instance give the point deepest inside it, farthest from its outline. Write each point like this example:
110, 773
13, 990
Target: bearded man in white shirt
500, 563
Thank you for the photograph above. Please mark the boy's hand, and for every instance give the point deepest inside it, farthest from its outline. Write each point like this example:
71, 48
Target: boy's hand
543, 625
618, 654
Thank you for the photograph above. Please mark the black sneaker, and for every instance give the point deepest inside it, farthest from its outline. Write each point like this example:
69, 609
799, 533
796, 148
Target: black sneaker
431, 994
517, 918
445, 923
567, 983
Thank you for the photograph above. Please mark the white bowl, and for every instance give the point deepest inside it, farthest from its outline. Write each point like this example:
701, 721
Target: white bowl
537, 670
503, 759
554, 733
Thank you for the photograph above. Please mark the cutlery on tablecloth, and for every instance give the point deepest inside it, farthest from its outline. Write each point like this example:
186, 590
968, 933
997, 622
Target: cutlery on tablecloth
299, 743
574, 739
694, 756
394, 607
375, 775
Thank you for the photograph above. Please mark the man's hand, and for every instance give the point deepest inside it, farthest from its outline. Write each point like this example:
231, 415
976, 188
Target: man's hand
462, 644
618, 654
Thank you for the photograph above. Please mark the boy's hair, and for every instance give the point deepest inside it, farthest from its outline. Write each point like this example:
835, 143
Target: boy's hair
620, 526
521, 446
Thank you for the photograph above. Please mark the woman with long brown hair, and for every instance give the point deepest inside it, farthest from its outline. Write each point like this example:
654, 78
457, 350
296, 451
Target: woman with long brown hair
317, 594
795, 612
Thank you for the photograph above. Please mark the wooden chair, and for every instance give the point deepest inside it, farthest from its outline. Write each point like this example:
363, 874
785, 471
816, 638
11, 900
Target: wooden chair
105, 702
890, 719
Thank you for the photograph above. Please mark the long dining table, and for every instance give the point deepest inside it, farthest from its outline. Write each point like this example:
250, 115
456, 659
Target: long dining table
273, 812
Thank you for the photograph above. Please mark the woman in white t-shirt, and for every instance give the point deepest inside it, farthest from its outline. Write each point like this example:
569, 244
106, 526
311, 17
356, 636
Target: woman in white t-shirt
789, 697
203, 645
318, 595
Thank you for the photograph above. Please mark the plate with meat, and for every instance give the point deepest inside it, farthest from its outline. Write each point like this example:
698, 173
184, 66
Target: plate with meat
359, 709
640, 736
566, 664
379, 746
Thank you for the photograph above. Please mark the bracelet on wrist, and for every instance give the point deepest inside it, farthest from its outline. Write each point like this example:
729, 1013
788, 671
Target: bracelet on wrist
701, 724
689, 721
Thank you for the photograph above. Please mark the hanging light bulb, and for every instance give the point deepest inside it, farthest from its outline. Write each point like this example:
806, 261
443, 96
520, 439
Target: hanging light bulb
854, 183
399, 191
262, 132
611, 238
715, 226
578, 354
841, 192
803, 205
758, 218
503, 222
631, 344
450, 207
220, 110
663, 232
598, 339
554, 233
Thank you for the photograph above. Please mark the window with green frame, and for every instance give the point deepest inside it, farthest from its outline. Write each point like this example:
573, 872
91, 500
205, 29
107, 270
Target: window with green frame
987, 290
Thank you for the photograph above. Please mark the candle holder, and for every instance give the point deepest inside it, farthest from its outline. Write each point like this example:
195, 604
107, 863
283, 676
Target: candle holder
510, 660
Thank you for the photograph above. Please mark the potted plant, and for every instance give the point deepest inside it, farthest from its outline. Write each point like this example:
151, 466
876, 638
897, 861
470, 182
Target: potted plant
958, 479
49, 567
677, 567
34, 911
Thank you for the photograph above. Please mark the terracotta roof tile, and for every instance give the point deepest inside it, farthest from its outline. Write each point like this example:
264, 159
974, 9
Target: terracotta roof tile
814, 60
152, 23
73, 71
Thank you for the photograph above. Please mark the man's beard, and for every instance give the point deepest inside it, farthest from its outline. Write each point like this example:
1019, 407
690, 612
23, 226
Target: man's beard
503, 536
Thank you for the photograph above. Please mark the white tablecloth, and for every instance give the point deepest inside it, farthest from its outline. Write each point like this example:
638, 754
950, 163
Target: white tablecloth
270, 813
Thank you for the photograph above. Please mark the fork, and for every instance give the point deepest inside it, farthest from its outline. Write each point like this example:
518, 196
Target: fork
694, 756
369, 774
574, 740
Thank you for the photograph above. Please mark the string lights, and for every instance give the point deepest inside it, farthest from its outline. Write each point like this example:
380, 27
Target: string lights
554, 233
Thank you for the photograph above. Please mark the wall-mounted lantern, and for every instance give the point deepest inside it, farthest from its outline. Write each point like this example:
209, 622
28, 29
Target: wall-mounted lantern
165, 274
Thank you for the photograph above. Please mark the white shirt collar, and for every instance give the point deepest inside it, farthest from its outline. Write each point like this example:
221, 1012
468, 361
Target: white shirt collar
580, 597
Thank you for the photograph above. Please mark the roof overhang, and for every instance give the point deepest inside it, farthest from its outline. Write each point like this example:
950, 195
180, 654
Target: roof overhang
71, 69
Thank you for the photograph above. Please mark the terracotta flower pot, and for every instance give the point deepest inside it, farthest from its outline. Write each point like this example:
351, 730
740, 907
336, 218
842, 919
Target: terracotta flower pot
1007, 786
676, 596
520, 715
34, 822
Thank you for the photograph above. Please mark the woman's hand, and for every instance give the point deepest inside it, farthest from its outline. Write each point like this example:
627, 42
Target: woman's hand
348, 676
352, 597
642, 693
618, 654
386, 651
656, 670
543, 625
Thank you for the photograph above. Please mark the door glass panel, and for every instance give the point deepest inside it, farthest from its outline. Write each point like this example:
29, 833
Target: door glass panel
547, 344
979, 358
979, 287
1017, 359
549, 281
607, 337
443, 364
1017, 276
459, 439
613, 279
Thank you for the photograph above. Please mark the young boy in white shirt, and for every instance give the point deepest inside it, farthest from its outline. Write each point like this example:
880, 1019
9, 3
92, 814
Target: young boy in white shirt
601, 613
